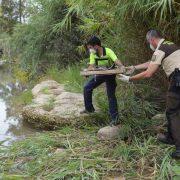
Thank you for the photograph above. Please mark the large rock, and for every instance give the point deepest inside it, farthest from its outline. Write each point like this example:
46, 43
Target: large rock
47, 87
53, 107
162, 123
159, 117
60, 151
109, 132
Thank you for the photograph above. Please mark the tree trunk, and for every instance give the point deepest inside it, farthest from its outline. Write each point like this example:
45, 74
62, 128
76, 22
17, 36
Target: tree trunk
20, 11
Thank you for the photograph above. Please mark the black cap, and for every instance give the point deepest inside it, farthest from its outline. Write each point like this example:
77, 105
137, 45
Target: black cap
94, 40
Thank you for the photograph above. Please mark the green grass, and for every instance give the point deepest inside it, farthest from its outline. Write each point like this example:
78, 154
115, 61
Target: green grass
49, 105
23, 98
70, 77
45, 90
86, 157
134, 155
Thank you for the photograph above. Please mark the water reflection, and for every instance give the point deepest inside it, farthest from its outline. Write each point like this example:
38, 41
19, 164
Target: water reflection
11, 125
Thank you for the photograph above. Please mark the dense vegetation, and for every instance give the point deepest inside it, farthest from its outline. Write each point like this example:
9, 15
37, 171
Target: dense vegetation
54, 29
45, 38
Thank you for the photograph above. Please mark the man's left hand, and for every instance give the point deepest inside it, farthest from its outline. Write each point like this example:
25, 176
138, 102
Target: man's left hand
130, 70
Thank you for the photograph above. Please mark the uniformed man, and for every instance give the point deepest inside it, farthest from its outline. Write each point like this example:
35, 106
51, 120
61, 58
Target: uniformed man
105, 58
167, 55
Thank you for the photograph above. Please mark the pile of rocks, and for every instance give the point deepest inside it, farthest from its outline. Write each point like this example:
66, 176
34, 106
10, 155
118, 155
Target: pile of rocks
52, 106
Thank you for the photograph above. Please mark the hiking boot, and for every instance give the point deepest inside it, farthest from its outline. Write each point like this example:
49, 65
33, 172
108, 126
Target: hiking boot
86, 112
176, 154
164, 139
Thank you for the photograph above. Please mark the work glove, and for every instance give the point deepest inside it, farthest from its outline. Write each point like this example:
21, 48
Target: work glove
124, 78
130, 70
122, 69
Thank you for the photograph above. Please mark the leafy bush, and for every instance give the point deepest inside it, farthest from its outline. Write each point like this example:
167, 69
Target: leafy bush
54, 29
37, 45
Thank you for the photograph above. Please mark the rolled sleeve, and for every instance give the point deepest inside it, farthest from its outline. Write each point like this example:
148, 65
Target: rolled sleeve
157, 57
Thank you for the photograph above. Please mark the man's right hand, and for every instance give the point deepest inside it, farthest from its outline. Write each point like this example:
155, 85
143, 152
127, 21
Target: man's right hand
90, 68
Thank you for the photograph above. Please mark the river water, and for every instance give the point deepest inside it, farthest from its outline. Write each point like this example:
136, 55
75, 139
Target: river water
12, 126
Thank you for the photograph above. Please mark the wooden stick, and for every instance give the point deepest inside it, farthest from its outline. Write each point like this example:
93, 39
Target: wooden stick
101, 72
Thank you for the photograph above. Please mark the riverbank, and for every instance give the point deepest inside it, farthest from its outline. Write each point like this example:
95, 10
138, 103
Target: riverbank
77, 153
12, 126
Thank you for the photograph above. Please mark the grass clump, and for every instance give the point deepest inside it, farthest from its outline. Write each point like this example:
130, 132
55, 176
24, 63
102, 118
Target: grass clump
45, 90
69, 76
85, 157
50, 105
23, 98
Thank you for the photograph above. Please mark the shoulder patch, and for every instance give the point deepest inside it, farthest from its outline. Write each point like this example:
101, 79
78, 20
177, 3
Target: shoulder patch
168, 42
